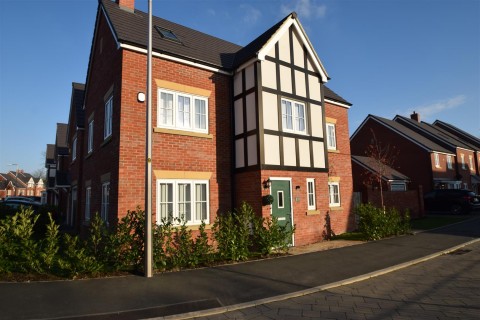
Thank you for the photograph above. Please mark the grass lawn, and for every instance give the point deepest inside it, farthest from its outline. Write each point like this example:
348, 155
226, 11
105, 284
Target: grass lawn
432, 222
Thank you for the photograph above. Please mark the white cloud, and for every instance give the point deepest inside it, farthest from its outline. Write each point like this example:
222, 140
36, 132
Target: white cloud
252, 15
305, 9
426, 111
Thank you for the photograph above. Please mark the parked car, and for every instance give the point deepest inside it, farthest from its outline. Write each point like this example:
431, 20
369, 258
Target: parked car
17, 203
29, 199
455, 201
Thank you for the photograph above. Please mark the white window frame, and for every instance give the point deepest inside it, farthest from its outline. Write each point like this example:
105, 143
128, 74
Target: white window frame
311, 203
331, 136
449, 161
107, 129
331, 196
436, 156
176, 201
470, 159
88, 199
462, 156
74, 149
297, 121
105, 201
175, 109
90, 136
398, 186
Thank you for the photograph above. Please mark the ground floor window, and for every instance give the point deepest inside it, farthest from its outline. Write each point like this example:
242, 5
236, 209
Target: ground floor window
334, 194
185, 200
88, 196
398, 186
311, 194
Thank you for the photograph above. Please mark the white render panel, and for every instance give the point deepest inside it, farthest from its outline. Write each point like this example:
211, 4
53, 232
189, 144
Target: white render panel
269, 74
237, 83
289, 152
298, 54
272, 149
251, 112
271, 53
270, 111
310, 66
252, 150
318, 154
284, 47
314, 88
286, 79
304, 152
300, 85
317, 120
239, 154
249, 77
238, 106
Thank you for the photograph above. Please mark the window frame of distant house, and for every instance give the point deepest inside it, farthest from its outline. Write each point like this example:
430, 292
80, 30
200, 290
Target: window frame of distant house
437, 160
470, 159
173, 114
462, 156
334, 197
449, 162
74, 148
88, 197
105, 201
398, 186
90, 136
107, 129
311, 204
294, 117
331, 136
180, 196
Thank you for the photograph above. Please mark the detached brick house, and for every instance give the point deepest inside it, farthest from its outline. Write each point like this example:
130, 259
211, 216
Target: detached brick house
231, 124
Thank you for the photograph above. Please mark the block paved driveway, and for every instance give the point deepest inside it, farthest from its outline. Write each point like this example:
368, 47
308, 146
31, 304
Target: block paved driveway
447, 287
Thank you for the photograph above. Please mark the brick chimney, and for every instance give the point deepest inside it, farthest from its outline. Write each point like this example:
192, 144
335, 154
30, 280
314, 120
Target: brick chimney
126, 4
415, 116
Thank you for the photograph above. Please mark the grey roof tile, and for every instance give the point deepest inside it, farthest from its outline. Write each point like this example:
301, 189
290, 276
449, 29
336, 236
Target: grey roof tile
372, 165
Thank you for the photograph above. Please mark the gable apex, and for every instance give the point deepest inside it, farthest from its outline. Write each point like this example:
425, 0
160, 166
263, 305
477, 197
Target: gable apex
292, 21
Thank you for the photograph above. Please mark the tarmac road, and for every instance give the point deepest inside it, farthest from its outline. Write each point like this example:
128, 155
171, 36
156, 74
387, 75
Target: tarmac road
446, 287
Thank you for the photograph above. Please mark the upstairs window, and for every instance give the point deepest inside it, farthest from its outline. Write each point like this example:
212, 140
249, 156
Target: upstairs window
90, 137
107, 130
437, 160
293, 116
182, 111
470, 159
449, 162
74, 149
331, 137
463, 160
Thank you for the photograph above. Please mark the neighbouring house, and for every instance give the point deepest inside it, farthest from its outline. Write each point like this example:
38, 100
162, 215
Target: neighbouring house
431, 158
464, 165
230, 124
20, 183
368, 173
58, 177
473, 142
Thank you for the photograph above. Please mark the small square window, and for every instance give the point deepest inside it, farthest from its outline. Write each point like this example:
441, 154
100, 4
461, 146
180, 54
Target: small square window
167, 34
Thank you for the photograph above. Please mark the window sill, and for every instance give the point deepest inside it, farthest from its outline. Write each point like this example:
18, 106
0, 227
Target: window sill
89, 155
313, 212
192, 227
106, 140
333, 150
183, 133
336, 208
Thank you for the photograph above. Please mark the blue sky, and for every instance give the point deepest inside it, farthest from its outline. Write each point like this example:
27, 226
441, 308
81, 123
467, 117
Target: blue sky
386, 57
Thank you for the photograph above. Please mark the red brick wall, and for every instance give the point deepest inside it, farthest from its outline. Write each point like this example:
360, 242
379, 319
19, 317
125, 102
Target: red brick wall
104, 71
170, 151
411, 160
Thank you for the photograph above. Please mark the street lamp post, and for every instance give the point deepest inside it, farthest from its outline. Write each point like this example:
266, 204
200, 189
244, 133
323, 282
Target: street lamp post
16, 176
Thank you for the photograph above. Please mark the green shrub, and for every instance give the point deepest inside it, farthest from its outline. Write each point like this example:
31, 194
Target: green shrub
75, 259
375, 223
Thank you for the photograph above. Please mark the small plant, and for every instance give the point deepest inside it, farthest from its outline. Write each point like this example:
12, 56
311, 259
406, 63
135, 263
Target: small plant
375, 223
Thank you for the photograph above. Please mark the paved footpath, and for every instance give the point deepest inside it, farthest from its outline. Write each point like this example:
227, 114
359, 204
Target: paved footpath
446, 287
226, 288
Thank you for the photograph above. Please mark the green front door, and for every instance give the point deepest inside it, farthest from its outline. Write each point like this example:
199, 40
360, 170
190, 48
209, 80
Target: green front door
282, 203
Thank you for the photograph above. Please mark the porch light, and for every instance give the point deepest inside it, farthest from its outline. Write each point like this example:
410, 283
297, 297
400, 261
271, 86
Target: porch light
267, 183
